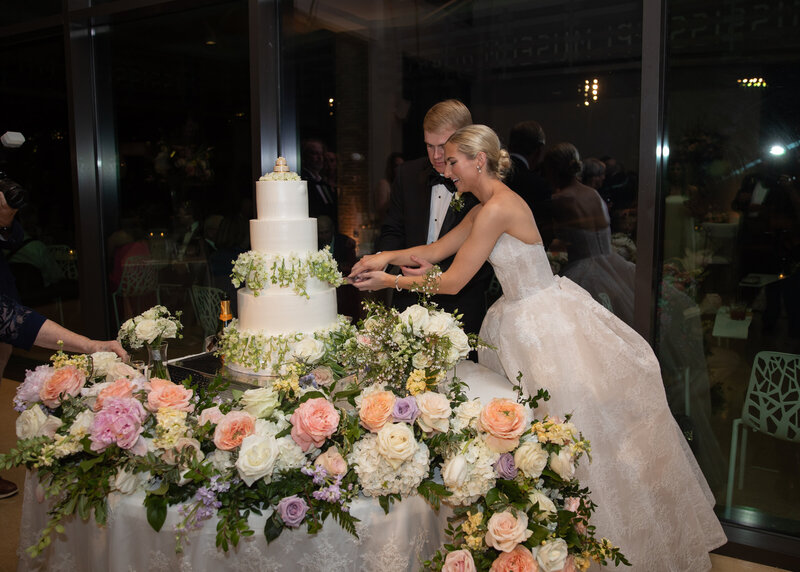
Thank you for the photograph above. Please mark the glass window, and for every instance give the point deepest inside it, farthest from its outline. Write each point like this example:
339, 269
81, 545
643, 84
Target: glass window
363, 76
731, 252
36, 156
179, 87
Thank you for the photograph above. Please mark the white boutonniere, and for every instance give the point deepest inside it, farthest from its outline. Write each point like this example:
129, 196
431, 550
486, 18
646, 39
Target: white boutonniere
457, 202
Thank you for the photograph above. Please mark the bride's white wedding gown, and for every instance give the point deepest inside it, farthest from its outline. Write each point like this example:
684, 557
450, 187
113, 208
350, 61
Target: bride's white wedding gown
653, 500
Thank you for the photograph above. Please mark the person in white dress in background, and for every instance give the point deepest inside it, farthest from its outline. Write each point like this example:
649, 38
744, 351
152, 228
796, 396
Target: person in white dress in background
652, 498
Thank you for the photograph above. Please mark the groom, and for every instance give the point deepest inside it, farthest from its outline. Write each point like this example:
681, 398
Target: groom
419, 212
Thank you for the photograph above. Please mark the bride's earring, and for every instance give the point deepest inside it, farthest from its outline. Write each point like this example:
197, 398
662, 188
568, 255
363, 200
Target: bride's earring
479, 168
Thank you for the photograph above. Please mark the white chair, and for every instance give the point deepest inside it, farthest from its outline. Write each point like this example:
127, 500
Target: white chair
205, 302
771, 406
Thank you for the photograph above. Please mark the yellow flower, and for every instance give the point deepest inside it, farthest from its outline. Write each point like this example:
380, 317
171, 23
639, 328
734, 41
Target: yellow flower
417, 382
474, 542
171, 426
583, 562
476, 519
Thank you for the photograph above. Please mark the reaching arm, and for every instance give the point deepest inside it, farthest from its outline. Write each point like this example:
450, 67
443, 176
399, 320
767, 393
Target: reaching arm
51, 333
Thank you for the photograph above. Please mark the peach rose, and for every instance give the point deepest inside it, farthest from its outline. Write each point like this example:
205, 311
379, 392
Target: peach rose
313, 422
232, 429
120, 388
459, 561
65, 381
505, 530
504, 421
332, 461
376, 410
164, 393
573, 504
518, 560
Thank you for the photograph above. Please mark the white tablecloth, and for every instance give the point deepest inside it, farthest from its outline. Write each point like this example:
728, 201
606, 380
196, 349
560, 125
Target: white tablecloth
399, 541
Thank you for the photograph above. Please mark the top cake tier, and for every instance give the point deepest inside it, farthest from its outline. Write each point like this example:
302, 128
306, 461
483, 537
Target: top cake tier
281, 200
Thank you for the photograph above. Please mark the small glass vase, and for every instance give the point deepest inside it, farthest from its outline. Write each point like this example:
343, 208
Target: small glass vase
157, 361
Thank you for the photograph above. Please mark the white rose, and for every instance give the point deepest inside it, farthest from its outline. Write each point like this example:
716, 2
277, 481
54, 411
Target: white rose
371, 324
309, 350
562, 463
147, 330
169, 329
30, 422
396, 443
460, 347
531, 459
119, 369
221, 460
126, 482
102, 361
505, 530
438, 324
82, 424
466, 414
261, 402
545, 504
416, 317
323, 375
434, 412
455, 471
257, 456
552, 555
421, 360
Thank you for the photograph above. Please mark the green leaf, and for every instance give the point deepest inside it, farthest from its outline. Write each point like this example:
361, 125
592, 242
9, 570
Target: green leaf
89, 463
156, 510
273, 527
311, 395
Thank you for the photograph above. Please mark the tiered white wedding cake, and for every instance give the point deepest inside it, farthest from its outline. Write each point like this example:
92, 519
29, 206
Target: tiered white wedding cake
287, 310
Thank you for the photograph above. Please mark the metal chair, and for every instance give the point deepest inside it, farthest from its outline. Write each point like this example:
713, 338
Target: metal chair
66, 258
139, 279
771, 406
205, 302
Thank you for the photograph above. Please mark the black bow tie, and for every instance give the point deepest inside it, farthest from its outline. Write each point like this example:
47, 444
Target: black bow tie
437, 179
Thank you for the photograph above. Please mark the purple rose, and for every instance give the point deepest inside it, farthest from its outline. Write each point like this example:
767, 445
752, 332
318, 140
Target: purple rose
505, 467
292, 510
405, 410
120, 423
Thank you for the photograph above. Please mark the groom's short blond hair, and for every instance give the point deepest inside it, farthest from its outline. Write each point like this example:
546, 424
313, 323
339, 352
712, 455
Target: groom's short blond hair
448, 114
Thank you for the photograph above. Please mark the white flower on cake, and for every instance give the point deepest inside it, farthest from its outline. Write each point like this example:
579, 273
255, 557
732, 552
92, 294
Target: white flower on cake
258, 270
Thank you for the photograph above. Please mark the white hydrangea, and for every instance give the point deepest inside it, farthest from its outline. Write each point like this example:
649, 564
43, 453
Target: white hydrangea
469, 474
377, 477
290, 455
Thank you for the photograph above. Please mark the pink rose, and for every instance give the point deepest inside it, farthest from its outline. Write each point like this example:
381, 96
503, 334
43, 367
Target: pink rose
504, 421
313, 422
376, 410
212, 414
505, 530
65, 381
332, 461
120, 388
518, 560
233, 428
573, 504
459, 561
119, 423
569, 565
164, 393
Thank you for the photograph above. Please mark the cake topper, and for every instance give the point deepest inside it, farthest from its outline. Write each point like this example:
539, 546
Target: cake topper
281, 166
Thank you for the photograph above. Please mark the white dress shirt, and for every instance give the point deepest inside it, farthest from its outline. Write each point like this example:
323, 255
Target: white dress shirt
440, 201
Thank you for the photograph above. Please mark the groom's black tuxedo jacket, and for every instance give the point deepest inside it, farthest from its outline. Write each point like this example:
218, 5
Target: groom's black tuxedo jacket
406, 225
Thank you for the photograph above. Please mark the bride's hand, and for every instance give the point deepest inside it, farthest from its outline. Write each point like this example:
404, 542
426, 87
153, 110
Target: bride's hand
370, 280
367, 263
422, 268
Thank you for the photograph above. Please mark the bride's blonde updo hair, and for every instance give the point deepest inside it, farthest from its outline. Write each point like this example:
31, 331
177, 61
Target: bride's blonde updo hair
473, 139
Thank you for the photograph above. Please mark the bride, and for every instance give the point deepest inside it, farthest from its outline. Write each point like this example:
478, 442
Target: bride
652, 498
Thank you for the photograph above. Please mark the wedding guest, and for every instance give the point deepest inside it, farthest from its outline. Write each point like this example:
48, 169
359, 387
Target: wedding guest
526, 142
594, 173
384, 189
322, 199
420, 211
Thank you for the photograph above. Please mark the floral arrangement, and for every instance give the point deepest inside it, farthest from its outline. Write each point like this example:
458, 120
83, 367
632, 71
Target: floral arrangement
280, 176
557, 259
258, 270
150, 328
411, 351
311, 440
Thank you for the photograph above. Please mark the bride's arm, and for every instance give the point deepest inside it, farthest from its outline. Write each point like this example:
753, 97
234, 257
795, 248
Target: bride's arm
487, 227
433, 252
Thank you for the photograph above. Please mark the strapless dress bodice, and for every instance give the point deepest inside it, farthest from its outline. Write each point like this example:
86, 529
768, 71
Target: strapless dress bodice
522, 269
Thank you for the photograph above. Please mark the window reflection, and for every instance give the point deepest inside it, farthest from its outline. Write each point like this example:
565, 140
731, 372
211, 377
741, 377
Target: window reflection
730, 251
